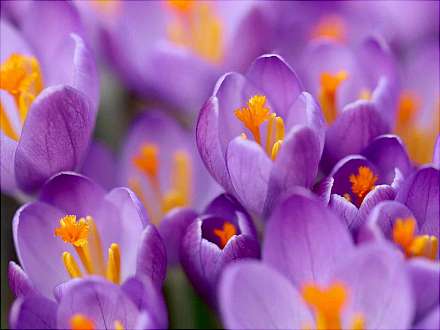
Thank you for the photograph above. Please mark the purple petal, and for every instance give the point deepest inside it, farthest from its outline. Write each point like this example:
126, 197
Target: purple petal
420, 193
249, 168
436, 155
7, 169
152, 256
33, 312
346, 210
278, 82
12, 41
324, 188
379, 287
146, 296
247, 304
19, 281
431, 321
55, 136
100, 301
304, 240
352, 131
387, 153
172, 229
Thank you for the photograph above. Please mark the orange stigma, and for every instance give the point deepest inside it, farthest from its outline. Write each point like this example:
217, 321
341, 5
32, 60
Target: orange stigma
81, 322
147, 161
362, 183
330, 27
414, 246
254, 115
73, 231
327, 94
225, 233
20, 76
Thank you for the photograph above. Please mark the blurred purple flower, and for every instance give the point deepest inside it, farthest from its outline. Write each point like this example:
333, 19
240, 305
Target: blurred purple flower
74, 229
282, 153
49, 96
223, 233
357, 183
93, 303
313, 277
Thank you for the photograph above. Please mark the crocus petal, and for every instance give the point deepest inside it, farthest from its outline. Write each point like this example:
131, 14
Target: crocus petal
277, 80
352, 131
73, 194
172, 229
424, 276
33, 312
431, 321
387, 153
7, 169
100, 165
11, 41
379, 287
247, 304
420, 193
249, 168
100, 301
296, 164
346, 210
208, 143
146, 296
55, 136
38, 249
304, 240
152, 256
436, 155
19, 281
324, 188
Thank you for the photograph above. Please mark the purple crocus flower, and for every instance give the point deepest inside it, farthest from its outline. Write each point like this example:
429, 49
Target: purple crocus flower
411, 223
193, 40
312, 277
223, 233
75, 229
259, 135
49, 96
357, 183
93, 303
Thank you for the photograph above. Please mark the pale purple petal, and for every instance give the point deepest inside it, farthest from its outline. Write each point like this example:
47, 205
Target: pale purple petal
7, 168
436, 155
33, 312
18, 281
11, 41
346, 210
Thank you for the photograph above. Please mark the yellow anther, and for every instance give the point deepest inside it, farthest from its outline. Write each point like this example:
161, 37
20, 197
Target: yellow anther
71, 265
81, 322
279, 123
72, 231
181, 176
365, 94
114, 264
327, 94
197, 27
20, 76
95, 247
255, 114
118, 325
358, 323
362, 183
6, 125
276, 149
330, 27
225, 233
326, 303
424, 246
403, 232
269, 135
147, 160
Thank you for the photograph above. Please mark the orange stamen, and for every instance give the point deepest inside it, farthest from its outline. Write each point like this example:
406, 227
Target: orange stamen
362, 183
81, 322
327, 94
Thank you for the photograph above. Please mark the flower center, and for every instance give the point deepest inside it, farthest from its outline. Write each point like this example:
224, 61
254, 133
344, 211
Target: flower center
419, 140
330, 27
254, 115
21, 77
414, 245
361, 184
179, 195
225, 233
327, 304
83, 235
196, 26
327, 93
82, 322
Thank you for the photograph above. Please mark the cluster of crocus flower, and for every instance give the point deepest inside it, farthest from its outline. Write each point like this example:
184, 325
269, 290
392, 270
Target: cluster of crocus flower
283, 156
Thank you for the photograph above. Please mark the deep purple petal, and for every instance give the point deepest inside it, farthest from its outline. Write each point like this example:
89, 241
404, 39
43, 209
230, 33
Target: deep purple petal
146, 296
172, 229
277, 81
431, 321
304, 240
387, 153
55, 136
99, 300
7, 169
424, 276
249, 168
379, 287
18, 281
152, 256
352, 131
254, 296
420, 193
33, 312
